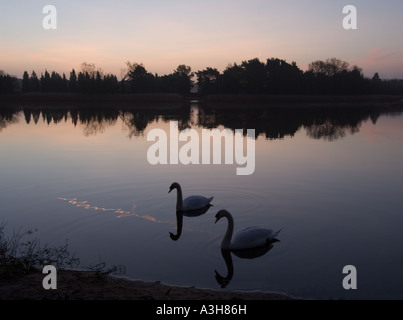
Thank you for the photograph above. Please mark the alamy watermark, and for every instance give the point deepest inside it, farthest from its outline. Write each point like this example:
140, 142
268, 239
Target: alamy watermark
50, 280
189, 153
49, 22
350, 280
350, 20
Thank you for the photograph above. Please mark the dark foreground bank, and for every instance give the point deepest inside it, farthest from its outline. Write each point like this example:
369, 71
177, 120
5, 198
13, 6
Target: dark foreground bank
83, 285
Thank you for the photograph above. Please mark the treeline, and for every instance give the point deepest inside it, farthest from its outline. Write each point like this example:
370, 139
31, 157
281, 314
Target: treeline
84, 82
8, 84
274, 76
138, 80
91, 80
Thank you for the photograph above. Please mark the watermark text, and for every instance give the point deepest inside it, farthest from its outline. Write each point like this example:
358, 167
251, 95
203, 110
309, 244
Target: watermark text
210, 144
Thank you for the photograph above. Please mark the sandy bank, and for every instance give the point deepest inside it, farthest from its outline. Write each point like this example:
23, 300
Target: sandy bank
83, 285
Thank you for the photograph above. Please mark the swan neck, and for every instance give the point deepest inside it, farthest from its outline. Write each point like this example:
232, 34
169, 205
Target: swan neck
228, 262
226, 242
179, 226
179, 199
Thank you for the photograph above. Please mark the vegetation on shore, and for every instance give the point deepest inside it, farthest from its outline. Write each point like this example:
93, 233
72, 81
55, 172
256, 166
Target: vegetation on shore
21, 255
252, 77
22, 260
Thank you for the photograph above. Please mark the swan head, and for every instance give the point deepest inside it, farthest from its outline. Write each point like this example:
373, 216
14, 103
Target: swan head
221, 214
174, 237
174, 185
223, 281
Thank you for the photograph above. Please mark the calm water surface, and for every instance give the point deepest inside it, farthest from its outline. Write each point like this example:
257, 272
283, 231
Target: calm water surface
332, 180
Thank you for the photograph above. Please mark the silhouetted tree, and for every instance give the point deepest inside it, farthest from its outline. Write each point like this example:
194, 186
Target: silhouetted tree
182, 79
111, 84
54, 83
254, 76
99, 85
46, 82
26, 84
335, 76
394, 86
65, 83
35, 85
376, 77
208, 81
91, 69
283, 77
329, 67
8, 84
73, 81
233, 79
141, 81
85, 83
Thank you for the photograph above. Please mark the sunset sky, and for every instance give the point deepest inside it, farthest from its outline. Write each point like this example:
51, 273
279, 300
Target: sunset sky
162, 34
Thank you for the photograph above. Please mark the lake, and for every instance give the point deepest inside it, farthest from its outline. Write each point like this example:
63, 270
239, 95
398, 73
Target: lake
330, 178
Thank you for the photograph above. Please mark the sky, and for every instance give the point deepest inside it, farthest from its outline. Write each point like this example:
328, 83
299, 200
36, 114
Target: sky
162, 34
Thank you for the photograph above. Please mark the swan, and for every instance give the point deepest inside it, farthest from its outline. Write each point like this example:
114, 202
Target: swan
190, 203
248, 238
179, 219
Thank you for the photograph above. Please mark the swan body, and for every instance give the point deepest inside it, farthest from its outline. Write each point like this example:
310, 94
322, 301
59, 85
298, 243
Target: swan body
248, 238
191, 203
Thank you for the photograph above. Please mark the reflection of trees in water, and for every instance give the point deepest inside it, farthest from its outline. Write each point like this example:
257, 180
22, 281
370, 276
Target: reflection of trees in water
272, 123
337, 123
136, 122
329, 131
8, 116
94, 127
94, 120
276, 123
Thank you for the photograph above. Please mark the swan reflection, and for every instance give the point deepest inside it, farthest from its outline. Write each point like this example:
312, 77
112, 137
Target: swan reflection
248, 243
243, 254
179, 219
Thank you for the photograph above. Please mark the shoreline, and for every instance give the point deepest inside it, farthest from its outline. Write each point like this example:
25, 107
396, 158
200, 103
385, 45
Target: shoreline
92, 285
164, 100
304, 101
89, 100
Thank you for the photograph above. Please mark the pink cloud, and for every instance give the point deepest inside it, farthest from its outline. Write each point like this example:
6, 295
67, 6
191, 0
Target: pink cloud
376, 55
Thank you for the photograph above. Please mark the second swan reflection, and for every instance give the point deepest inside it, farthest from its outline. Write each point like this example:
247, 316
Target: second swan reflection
248, 243
243, 254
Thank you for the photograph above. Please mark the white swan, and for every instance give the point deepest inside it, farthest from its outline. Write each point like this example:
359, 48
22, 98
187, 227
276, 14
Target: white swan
190, 203
248, 238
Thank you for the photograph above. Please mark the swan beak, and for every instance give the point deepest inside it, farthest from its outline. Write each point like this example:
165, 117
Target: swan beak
170, 190
216, 219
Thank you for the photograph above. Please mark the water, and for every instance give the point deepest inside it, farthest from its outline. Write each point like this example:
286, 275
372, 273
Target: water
331, 179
